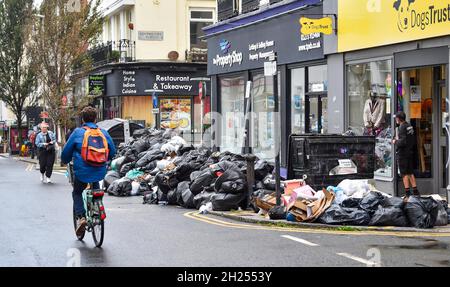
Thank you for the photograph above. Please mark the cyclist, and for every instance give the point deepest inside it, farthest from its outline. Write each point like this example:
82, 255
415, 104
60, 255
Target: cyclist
84, 171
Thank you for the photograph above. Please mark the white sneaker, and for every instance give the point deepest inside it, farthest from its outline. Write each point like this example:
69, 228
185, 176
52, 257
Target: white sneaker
42, 177
48, 180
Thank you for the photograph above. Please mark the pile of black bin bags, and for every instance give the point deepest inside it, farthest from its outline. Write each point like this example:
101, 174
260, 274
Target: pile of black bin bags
193, 178
376, 209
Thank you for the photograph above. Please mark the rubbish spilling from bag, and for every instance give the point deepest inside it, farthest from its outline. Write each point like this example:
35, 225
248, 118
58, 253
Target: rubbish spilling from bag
354, 203
163, 168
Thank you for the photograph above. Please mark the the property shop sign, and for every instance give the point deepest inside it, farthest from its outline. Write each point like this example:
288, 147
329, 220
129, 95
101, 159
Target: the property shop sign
249, 47
135, 82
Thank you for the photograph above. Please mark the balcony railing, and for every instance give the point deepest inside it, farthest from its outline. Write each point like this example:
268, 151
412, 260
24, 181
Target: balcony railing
121, 51
197, 55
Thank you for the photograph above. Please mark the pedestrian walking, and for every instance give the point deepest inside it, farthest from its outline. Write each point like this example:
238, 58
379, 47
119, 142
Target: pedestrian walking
45, 142
404, 148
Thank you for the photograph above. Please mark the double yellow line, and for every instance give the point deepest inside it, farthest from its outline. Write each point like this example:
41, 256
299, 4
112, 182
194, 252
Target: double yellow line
29, 167
206, 219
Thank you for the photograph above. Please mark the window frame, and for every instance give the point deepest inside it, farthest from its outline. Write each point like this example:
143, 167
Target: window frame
199, 20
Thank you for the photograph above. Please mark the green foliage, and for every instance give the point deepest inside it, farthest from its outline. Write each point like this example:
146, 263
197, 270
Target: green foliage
17, 66
61, 45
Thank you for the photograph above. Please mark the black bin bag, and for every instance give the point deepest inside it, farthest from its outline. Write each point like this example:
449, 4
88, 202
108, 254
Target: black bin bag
110, 177
231, 181
389, 216
227, 201
187, 197
336, 215
422, 212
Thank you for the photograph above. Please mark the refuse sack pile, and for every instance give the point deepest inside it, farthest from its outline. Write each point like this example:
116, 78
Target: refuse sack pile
353, 202
163, 168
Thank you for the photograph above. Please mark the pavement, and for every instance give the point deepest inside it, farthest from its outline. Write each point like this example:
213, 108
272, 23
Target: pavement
37, 230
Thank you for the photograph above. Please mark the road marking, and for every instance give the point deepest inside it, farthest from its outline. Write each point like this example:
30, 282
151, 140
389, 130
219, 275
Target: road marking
303, 241
196, 216
59, 173
358, 259
29, 167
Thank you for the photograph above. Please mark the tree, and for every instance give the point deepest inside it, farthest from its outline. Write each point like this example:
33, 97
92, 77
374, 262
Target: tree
17, 66
66, 30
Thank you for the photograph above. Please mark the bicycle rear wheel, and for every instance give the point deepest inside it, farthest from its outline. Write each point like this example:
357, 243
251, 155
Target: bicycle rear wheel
98, 233
80, 237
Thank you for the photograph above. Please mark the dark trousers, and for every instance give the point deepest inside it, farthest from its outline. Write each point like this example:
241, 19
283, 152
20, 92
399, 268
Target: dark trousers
46, 161
77, 195
33, 151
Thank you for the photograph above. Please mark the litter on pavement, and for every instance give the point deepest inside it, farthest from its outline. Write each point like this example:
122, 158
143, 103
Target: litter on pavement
164, 169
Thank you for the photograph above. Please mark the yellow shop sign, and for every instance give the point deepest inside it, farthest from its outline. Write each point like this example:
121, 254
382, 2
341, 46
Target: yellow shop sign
371, 23
311, 26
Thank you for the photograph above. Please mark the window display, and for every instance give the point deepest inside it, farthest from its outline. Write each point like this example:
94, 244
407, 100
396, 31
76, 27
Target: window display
369, 90
176, 113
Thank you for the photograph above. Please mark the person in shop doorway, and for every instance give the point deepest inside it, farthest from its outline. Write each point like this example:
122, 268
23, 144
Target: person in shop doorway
45, 142
404, 147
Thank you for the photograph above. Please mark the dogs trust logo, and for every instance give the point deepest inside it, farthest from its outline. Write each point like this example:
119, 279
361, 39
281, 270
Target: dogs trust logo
411, 16
403, 11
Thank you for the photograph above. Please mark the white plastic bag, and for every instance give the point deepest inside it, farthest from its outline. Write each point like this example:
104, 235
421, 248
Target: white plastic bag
134, 188
350, 187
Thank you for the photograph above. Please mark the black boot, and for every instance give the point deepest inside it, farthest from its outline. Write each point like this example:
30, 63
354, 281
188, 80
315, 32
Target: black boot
416, 191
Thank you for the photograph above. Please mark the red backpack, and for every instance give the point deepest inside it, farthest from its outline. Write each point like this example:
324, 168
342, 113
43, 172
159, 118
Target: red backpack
94, 149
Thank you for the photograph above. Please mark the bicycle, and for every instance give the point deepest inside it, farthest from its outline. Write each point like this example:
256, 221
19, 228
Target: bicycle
95, 211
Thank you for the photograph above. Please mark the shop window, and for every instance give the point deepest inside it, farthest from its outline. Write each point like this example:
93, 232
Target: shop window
369, 93
198, 20
232, 111
112, 106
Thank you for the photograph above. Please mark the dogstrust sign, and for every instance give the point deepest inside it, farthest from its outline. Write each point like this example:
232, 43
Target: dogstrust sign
371, 23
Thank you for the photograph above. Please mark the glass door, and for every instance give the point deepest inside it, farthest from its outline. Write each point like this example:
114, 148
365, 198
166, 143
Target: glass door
444, 128
422, 96
316, 114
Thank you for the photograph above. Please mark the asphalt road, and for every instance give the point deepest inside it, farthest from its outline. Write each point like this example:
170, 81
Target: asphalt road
36, 230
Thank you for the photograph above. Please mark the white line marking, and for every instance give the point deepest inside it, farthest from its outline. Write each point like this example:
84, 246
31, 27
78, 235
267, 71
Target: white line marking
59, 173
303, 241
361, 260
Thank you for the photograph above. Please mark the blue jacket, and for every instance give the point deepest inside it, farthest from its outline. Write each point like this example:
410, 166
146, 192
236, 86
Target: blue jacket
41, 139
84, 172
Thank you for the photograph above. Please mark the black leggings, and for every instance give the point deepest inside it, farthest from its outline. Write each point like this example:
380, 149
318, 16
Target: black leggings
46, 161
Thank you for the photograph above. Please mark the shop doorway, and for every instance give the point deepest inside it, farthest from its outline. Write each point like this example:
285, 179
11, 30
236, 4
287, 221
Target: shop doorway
316, 107
421, 94
309, 102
